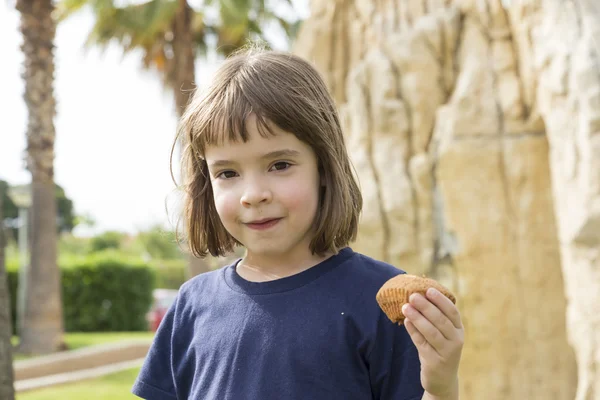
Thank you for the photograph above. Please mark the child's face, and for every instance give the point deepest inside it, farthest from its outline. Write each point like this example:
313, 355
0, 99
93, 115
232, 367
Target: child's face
266, 192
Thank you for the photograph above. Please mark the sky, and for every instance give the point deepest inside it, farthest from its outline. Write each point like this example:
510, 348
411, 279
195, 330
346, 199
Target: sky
114, 126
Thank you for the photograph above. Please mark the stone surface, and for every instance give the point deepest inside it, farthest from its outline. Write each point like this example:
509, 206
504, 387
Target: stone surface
474, 127
75, 376
81, 359
567, 49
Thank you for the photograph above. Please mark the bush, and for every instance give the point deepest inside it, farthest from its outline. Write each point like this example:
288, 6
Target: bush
107, 240
103, 292
170, 274
160, 244
70, 244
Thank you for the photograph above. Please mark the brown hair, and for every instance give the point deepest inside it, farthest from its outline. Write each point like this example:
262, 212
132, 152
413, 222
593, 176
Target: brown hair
285, 90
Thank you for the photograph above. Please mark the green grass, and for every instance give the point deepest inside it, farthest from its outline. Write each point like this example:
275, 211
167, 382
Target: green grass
79, 340
83, 339
115, 386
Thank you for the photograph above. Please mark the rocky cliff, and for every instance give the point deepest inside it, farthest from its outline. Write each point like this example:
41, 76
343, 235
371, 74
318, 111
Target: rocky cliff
474, 127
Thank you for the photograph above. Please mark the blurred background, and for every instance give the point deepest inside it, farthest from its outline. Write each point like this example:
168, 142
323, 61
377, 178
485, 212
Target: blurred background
474, 127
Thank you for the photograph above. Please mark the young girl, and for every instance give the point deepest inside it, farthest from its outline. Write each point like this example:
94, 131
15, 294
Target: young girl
296, 318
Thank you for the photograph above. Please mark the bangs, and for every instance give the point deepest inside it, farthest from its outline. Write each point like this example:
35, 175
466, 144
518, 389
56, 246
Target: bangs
228, 118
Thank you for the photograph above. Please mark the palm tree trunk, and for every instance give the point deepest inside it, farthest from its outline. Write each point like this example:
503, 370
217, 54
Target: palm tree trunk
184, 64
43, 317
183, 55
7, 391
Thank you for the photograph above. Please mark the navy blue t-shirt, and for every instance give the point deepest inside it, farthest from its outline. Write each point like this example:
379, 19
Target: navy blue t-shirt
317, 335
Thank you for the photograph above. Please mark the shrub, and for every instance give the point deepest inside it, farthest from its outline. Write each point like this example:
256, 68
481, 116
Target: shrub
101, 292
170, 274
107, 240
160, 244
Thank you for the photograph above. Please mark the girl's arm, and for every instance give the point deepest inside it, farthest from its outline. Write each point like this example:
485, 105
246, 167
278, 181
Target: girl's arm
155, 380
435, 327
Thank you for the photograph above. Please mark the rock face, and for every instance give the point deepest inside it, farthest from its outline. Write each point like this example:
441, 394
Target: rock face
474, 127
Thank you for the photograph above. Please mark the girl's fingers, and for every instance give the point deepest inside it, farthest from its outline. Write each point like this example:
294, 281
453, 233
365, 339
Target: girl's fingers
437, 318
446, 306
415, 335
419, 340
430, 333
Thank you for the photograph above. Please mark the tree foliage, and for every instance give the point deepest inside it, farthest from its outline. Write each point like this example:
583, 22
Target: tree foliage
220, 25
65, 211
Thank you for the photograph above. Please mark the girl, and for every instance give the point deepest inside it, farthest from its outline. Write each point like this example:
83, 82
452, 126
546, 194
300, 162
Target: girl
296, 317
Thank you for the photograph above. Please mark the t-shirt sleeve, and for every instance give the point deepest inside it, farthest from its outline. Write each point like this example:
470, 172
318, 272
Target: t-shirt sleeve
394, 366
155, 380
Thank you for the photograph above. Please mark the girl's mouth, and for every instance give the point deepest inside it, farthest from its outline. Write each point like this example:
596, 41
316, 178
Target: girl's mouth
263, 224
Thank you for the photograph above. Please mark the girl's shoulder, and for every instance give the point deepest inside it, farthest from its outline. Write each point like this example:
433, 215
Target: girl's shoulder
202, 285
370, 270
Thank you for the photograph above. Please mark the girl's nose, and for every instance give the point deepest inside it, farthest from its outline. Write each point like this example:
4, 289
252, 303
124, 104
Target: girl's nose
255, 194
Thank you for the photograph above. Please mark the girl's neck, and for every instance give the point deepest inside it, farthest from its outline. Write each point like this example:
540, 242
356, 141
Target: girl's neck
264, 268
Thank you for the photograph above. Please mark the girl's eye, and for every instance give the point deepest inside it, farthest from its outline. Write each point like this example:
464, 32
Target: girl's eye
280, 166
226, 174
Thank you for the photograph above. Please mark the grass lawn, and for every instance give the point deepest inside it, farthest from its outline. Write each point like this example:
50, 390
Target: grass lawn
116, 386
78, 340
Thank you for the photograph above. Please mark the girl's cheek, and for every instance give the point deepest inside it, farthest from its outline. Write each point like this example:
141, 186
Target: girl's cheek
300, 195
225, 204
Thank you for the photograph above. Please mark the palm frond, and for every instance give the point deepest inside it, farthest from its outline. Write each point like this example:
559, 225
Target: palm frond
148, 27
201, 31
134, 26
65, 8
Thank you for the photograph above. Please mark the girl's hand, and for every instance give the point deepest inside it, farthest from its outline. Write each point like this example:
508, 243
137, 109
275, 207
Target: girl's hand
435, 327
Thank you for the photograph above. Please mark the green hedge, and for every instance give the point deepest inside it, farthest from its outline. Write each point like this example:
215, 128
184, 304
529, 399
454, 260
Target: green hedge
170, 274
101, 293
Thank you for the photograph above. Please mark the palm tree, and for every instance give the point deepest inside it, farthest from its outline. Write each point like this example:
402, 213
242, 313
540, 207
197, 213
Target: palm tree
43, 318
6, 369
170, 34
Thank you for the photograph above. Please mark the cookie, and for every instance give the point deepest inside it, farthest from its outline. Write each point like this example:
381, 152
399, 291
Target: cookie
396, 291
